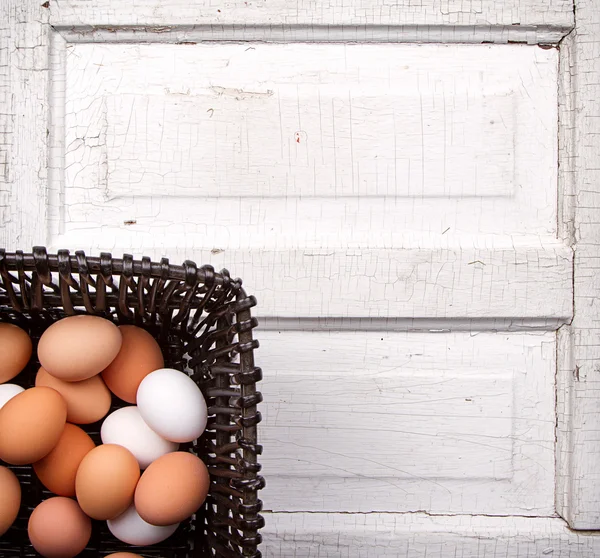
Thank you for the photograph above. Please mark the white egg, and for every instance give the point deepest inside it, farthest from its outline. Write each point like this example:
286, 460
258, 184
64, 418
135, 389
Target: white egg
126, 427
7, 392
130, 528
172, 405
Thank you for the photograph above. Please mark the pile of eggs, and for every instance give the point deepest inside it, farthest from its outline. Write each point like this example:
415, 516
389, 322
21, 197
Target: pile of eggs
136, 480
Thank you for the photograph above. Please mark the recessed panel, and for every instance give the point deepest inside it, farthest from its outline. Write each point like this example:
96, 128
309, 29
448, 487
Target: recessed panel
444, 136
291, 138
375, 421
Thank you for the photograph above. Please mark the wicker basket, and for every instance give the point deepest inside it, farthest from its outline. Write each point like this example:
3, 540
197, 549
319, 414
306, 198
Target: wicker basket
201, 319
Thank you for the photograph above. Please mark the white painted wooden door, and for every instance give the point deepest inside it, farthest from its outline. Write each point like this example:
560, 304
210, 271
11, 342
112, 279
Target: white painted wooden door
408, 189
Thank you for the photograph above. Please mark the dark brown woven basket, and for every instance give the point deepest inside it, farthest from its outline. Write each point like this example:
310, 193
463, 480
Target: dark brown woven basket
202, 321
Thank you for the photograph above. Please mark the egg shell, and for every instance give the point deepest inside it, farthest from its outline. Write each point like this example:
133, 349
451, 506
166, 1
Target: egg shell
106, 481
58, 528
172, 488
10, 499
172, 405
15, 351
58, 469
87, 401
140, 354
130, 528
79, 347
31, 424
127, 428
7, 392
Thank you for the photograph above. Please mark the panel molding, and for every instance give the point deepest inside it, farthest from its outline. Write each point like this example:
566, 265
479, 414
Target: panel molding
430, 325
192, 34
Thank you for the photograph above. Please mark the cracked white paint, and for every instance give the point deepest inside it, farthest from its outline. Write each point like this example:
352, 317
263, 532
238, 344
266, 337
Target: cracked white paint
378, 535
376, 421
376, 180
578, 489
451, 13
421, 126
209, 144
476, 246
23, 122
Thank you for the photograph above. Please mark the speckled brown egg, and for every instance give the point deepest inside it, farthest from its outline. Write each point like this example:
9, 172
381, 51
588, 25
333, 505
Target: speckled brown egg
58, 469
58, 528
87, 401
15, 351
31, 424
10, 499
139, 355
172, 488
106, 481
79, 347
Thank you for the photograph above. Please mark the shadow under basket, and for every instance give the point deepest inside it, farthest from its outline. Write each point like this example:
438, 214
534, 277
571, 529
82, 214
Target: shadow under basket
201, 320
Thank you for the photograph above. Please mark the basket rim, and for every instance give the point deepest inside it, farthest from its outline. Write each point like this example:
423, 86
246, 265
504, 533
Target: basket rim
107, 264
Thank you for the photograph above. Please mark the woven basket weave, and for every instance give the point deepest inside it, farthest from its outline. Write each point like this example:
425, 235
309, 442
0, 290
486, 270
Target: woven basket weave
201, 320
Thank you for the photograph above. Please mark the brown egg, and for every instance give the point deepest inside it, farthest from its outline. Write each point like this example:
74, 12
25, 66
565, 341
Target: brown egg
31, 424
58, 469
59, 529
87, 401
10, 499
106, 481
15, 351
172, 488
78, 347
139, 355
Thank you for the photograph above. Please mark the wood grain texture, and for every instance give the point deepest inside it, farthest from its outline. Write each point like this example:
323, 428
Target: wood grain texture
24, 105
362, 20
321, 535
372, 421
578, 488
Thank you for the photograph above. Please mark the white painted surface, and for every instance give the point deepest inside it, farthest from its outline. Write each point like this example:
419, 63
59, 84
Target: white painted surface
578, 488
379, 283
417, 158
23, 116
413, 132
380, 141
321, 535
443, 422
313, 13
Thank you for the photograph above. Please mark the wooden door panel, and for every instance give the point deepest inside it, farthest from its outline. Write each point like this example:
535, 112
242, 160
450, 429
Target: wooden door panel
339, 180
377, 421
